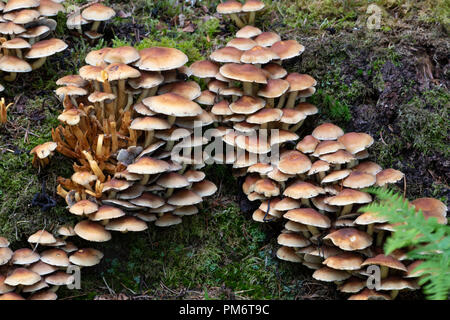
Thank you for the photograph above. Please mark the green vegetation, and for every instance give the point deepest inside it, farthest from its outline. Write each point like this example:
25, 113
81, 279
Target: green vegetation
429, 240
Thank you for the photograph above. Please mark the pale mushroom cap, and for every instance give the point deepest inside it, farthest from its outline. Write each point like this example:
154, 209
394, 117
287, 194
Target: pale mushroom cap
184, 198
71, 80
303, 190
204, 188
386, 261
42, 237
338, 157
431, 208
293, 240
127, 223
89, 72
186, 89
327, 131
83, 207
328, 146
308, 216
4, 242
106, 212
350, 239
149, 124
349, 196
168, 220
70, 91
121, 71
44, 295
173, 180
173, 105
319, 166
294, 162
96, 57
228, 7
308, 144
194, 176
243, 72
11, 28
20, 4
330, 275
204, 69
258, 55
274, 89
287, 49
227, 55
25, 256
242, 43
42, 268
248, 32
369, 167
288, 254
387, 176
359, 180
397, 283
148, 200
247, 105
253, 5
59, 278
267, 39
160, 59
98, 12
22, 276
344, 261
5, 255
287, 204
355, 142
14, 64
83, 177
46, 48
147, 165
125, 54
45, 149
55, 257
49, 8
292, 116
92, 231
336, 175
16, 43
298, 82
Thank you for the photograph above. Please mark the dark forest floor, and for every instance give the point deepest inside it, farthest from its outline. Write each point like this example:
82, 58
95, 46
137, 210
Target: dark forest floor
392, 83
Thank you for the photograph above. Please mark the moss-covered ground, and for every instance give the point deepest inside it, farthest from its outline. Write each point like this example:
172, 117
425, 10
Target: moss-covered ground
391, 82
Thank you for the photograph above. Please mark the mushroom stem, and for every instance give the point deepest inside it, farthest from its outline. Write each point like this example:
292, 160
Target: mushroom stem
291, 100
120, 95
112, 194
171, 120
95, 26
99, 149
297, 126
270, 103
321, 175
19, 53
74, 101
346, 209
169, 192
380, 237
370, 229
394, 294
305, 202
313, 230
281, 101
384, 272
169, 145
148, 138
251, 18
352, 163
248, 88
145, 179
11, 77
38, 63
183, 168
237, 20
147, 93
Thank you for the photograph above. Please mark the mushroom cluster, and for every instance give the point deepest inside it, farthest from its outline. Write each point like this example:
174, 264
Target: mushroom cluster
129, 123
319, 198
89, 17
24, 24
28, 274
241, 13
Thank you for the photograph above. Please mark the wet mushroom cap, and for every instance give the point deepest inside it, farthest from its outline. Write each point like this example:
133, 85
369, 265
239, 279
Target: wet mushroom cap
229, 7
92, 231
42, 237
327, 131
173, 105
98, 12
46, 48
161, 59
350, 239
308, 216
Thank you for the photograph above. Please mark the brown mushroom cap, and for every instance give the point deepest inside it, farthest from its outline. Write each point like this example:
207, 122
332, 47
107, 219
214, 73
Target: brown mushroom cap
258, 55
98, 12
308, 144
288, 254
344, 261
161, 59
227, 55
387, 176
42, 268
368, 294
42, 237
173, 105
126, 223
350, 239
55, 257
22, 276
294, 162
243, 72
293, 240
304, 190
59, 278
204, 69
228, 7
330, 275
247, 105
274, 89
385, 261
147, 165
24, 256
287, 49
106, 212
204, 188
83, 207
241, 43
12, 5
248, 32
92, 231
124, 54
5, 255
308, 216
184, 198
168, 220
267, 39
14, 64
46, 48
348, 196
355, 142
431, 208
358, 180
327, 131
299, 81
